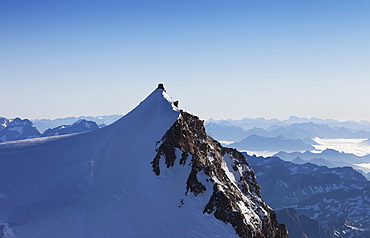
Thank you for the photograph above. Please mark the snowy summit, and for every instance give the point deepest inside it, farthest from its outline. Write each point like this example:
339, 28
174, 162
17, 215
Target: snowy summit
153, 173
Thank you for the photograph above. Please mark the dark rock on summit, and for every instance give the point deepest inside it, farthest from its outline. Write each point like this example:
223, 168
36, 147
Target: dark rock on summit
161, 86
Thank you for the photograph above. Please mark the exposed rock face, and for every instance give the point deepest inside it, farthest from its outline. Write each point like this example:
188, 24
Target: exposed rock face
236, 195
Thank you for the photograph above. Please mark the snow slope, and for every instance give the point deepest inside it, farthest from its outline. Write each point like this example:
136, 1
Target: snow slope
99, 184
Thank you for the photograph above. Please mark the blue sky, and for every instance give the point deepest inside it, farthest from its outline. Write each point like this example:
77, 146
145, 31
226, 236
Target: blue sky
221, 59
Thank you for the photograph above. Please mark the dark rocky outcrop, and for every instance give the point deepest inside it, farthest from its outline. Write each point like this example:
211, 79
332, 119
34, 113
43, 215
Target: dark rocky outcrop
236, 194
161, 86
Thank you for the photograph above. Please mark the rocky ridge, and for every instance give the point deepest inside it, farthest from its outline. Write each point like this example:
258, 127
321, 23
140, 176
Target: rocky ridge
236, 194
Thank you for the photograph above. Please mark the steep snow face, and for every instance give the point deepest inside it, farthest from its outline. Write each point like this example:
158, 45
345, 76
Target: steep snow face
103, 183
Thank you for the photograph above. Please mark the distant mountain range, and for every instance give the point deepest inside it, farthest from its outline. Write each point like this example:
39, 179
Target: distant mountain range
249, 123
225, 132
18, 129
294, 134
81, 125
229, 132
329, 157
337, 198
44, 124
259, 143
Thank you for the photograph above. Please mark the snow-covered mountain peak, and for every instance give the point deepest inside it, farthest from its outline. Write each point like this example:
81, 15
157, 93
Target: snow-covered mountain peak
153, 173
160, 96
157, 109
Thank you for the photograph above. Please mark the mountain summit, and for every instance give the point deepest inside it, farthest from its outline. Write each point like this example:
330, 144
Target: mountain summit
153, 173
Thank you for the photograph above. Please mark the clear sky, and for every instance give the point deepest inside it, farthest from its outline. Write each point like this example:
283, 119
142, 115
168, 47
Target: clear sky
221, 59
